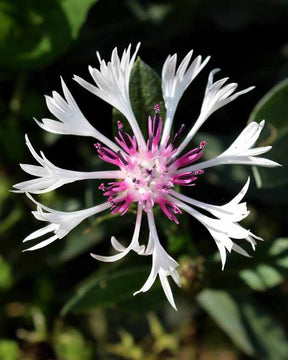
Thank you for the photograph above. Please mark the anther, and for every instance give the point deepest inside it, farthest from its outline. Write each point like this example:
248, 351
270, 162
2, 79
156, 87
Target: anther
120, 125
199, 172
98, 146
101, 187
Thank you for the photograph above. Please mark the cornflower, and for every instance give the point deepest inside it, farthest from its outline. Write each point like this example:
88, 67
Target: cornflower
147, 170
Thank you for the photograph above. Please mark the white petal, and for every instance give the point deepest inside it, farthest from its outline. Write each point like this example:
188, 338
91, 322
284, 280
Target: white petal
216, 96
222, 252
43, 243
61, 222
71, 119
112, 86
116, 244
41, 232
134, 245
167, 290
239, 250
148, 283
239, 152
233, 210
51, 177
162, 264
222, 230
111, 258
174, 83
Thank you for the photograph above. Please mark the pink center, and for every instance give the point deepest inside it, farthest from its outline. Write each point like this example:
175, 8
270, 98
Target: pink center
150, 172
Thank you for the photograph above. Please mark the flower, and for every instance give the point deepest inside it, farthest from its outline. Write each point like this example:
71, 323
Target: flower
147, 170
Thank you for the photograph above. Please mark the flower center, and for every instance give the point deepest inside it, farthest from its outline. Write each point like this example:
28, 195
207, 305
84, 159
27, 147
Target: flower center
150, 173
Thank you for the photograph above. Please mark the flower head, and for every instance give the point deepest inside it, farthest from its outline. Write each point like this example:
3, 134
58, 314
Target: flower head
146, 171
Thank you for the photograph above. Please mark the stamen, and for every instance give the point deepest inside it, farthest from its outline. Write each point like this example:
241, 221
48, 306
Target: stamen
157, 108
150, 142
97, 146
120, 125
121, 157
171, 161
126, 138
156, 122
101, 187
178, 133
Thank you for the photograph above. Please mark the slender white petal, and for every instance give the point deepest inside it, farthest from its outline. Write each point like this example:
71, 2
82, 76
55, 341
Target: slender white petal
150, 246
240, 250
162, 264
134, 245
174, 83
61, 223
51, 177
240, 152
71, 119
43, 243
216, 96
223, 230
233, 210
112, 85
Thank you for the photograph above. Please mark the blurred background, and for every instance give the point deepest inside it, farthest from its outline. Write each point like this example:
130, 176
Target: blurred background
60, 304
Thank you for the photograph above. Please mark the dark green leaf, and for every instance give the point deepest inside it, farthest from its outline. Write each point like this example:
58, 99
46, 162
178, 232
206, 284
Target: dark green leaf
107, 290
145, 93
33, 33
250, 325
273, 107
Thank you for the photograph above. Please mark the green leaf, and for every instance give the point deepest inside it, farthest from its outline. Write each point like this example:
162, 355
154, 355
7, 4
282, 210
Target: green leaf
6, 278
271, 270
108, 289
249, 324
273, 107
9, 350
145, 93
33, 33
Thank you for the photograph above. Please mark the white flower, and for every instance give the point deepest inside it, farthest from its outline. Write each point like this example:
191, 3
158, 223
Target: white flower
148, 170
